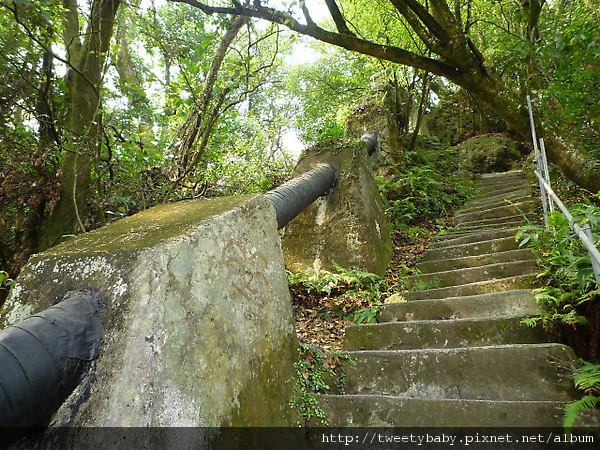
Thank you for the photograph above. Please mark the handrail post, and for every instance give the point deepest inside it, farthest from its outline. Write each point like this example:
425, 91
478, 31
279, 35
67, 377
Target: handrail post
546, 172
595, 264
538, 161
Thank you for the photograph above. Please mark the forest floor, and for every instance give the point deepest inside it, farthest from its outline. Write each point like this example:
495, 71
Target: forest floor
322, 319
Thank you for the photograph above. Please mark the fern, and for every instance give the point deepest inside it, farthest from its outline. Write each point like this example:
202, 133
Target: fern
574, 409
587, 379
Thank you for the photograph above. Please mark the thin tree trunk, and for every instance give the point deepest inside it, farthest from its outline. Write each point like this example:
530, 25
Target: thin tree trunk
83, 82
424, 95
199, 123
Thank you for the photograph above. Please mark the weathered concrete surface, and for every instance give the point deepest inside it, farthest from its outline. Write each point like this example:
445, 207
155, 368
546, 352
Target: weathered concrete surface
513, 303
441, 265
476, 288
347, 226
471, 249
196, 310
506, 372
470, 275
422, 334
393, 411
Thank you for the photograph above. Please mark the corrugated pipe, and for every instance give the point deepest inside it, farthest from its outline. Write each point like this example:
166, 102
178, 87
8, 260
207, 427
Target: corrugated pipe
44, 358
293, 196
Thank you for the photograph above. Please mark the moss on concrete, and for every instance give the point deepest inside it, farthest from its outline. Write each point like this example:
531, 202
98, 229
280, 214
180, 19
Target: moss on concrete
197, 313
490, 153
149, 227
346, 227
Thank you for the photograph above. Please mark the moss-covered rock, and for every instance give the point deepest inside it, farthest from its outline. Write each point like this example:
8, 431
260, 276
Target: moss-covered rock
490, 153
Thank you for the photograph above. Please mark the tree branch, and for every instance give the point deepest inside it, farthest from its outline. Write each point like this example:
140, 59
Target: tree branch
338, 18
348, 42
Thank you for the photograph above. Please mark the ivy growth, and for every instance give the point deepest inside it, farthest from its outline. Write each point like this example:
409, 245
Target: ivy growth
315, 372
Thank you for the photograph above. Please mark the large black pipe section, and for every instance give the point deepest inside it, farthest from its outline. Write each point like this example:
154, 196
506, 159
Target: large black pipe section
44, 358
293, 196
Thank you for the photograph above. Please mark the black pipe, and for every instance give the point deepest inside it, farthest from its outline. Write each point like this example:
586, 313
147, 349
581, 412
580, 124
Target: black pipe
43, 358
293, 196
372, 143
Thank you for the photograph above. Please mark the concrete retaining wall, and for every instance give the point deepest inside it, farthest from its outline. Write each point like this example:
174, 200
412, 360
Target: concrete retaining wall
345, 227
196, 311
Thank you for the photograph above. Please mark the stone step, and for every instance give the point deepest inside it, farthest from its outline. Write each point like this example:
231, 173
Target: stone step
513, 303
480, 287
522, 254
449, 240
470, 249
491, 177
391, 411
497, 222
503, 201
492, 190
498, 212
487, 201
420, 334
505, 372
469, 275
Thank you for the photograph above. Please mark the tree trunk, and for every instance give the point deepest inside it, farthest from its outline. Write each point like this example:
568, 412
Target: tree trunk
84, 82
198, 126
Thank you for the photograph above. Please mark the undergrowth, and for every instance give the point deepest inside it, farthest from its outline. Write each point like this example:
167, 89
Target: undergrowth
316, 372
351, 292
567, 275
587, 379
429, 185
569, 298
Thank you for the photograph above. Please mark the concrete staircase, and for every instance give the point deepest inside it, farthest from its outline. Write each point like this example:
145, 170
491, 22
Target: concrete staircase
455, 354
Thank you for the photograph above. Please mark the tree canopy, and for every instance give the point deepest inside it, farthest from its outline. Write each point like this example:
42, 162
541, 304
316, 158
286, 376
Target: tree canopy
448, 38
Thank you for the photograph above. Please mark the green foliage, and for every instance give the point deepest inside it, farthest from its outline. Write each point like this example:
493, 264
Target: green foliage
314, 370
319, 93
357, 293
5, 281
587, 379
421, 190
566, 268
571, 56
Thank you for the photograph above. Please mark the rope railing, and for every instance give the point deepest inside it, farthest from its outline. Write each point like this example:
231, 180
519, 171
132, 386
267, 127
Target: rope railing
549, 199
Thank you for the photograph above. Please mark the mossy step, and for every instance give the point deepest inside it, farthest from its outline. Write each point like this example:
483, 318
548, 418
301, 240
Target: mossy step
497, 197
441, 334
470, 249
518, 302
391, 411
480, 287
504, 372
497, 222
502, 201
449, 240
500, 175
500, 189
522, 254
503, 211
465, 231
456, 277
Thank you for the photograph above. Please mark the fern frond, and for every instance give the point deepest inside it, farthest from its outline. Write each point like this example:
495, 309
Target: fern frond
587, 377
574, 409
